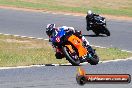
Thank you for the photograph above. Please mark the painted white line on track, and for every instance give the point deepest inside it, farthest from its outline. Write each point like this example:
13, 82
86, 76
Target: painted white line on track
6, 34
31, 37
17, 35
67, 14
46, 39
108, 47
98, 46
67, 64
127, 51
55, 64
116, 60
40, 38
24, 36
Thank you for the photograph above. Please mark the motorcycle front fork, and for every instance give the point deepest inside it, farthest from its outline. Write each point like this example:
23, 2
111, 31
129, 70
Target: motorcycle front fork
89, 55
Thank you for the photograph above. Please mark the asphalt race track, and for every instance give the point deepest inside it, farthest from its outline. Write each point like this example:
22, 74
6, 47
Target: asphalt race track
31, 24
61, 76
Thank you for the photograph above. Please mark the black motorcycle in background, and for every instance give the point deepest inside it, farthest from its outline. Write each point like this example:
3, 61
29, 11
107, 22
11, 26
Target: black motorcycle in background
98, 26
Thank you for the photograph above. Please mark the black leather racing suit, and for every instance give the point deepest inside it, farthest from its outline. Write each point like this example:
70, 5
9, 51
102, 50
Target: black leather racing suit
90, 19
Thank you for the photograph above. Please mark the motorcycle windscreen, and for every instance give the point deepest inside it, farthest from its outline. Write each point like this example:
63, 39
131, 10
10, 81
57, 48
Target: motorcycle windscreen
57, 34
78, 44
61, 32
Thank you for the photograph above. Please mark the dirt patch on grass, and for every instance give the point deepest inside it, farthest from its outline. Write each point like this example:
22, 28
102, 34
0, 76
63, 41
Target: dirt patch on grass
115, 4
74, 14
24, 43
68, 3
16, 41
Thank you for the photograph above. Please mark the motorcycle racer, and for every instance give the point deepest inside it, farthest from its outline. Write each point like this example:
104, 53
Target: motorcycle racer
96, 23
89, 19
52, 30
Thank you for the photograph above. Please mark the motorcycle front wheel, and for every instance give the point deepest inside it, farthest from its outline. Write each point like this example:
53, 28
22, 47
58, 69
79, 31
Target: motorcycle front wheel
71, 57
94, 60
107, 32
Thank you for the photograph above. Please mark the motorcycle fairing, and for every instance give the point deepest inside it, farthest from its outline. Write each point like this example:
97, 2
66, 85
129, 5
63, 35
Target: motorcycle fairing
78, 44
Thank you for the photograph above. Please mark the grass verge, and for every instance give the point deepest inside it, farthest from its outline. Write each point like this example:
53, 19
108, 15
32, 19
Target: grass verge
113, 7
17, 51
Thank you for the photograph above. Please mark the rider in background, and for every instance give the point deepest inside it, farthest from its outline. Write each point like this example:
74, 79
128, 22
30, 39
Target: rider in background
90, 19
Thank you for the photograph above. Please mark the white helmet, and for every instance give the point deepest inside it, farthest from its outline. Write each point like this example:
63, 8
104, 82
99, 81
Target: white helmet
89, 12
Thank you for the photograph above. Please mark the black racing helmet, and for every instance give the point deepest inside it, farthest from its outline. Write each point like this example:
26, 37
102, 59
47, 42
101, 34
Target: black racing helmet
49, 29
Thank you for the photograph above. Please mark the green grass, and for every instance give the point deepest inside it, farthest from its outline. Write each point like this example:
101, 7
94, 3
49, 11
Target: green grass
112, 54
119, 8
16, 51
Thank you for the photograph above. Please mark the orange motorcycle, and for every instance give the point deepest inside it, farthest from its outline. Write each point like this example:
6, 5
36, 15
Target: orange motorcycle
70, 46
